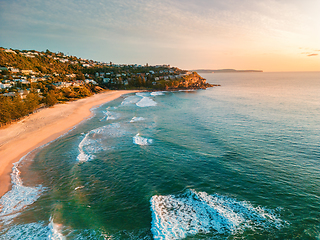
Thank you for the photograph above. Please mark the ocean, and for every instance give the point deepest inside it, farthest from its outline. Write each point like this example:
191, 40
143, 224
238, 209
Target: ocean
239, 161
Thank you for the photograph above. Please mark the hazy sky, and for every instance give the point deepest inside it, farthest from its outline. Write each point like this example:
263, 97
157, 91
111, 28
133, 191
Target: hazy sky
272, 35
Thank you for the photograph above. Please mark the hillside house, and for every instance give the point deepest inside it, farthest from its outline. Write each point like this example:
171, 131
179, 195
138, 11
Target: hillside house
14, 70
62, 84
5, 85
27, 72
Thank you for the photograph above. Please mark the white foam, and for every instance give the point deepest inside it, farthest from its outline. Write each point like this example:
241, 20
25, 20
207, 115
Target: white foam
94, 141
176, 217
110, 115
146, 102
159, 93
130, 100
137, 139
78, 187
55, 231
45, 230
83, 155
143, 94
136, 119
28, 231
18, 198
33, 231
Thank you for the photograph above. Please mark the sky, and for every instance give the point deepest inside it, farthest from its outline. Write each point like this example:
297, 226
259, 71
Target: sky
268, 35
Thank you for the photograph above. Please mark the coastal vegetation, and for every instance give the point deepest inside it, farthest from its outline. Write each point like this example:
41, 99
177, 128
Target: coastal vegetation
31, 79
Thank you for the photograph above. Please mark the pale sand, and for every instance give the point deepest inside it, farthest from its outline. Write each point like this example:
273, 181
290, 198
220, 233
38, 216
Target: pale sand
42, 127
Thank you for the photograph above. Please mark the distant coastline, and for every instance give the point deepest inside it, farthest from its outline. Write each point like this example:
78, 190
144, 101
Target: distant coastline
31, 79
224, 71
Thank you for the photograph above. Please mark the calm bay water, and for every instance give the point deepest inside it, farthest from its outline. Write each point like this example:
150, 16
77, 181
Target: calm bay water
240, 161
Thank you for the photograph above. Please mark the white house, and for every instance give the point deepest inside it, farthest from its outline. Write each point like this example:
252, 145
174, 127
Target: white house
10, 51
71, 75
4, 86
14, 70
26, 72
91, 81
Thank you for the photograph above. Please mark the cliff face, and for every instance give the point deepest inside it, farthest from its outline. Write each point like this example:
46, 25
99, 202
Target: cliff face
193, 81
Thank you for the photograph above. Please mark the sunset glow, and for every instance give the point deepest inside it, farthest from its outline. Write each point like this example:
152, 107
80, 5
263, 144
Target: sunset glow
268, 35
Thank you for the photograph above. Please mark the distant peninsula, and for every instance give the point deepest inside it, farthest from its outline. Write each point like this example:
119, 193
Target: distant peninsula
224, 71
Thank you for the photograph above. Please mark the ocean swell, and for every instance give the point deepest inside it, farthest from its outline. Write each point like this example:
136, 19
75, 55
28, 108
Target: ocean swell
176, 217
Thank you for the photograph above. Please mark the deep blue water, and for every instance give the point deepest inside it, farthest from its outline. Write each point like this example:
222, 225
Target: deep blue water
239, 161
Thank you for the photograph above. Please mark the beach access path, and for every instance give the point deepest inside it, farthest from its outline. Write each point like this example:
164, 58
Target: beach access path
42, 127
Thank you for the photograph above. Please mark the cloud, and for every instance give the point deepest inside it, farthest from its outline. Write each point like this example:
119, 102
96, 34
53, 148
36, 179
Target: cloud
310, 52
313, 55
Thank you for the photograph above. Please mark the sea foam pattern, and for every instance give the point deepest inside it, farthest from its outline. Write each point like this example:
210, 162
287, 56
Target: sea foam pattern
29, 231
137, 119
94, 141
54, 232
18, 198
130, 100
110, 115
84, 155
137, 139
176, 217
146, 102
159, 93
143, 94
50, 231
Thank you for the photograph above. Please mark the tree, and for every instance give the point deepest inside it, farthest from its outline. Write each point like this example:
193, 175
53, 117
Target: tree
48, 52
80, 76
83, 91
18, 108
50, 99
67, 92
5, 110
32, 102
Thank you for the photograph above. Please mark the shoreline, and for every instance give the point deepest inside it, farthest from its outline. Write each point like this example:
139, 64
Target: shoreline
43, 127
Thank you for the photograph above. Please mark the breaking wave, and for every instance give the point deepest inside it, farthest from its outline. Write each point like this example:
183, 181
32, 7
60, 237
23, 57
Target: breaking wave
18, 198
137, 119
130, 100
159, 93
55, 231
146, 102
84, 156
176, 217
110, 115
95, 141
137, 139
51, 231
143, 94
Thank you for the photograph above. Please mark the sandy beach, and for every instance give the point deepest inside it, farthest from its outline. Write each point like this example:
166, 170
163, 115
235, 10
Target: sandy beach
42, 127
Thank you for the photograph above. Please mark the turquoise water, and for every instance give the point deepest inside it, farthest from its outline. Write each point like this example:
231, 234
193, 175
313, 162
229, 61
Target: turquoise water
240, 161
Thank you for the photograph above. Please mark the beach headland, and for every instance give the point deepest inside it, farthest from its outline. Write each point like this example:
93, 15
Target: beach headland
42, 127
